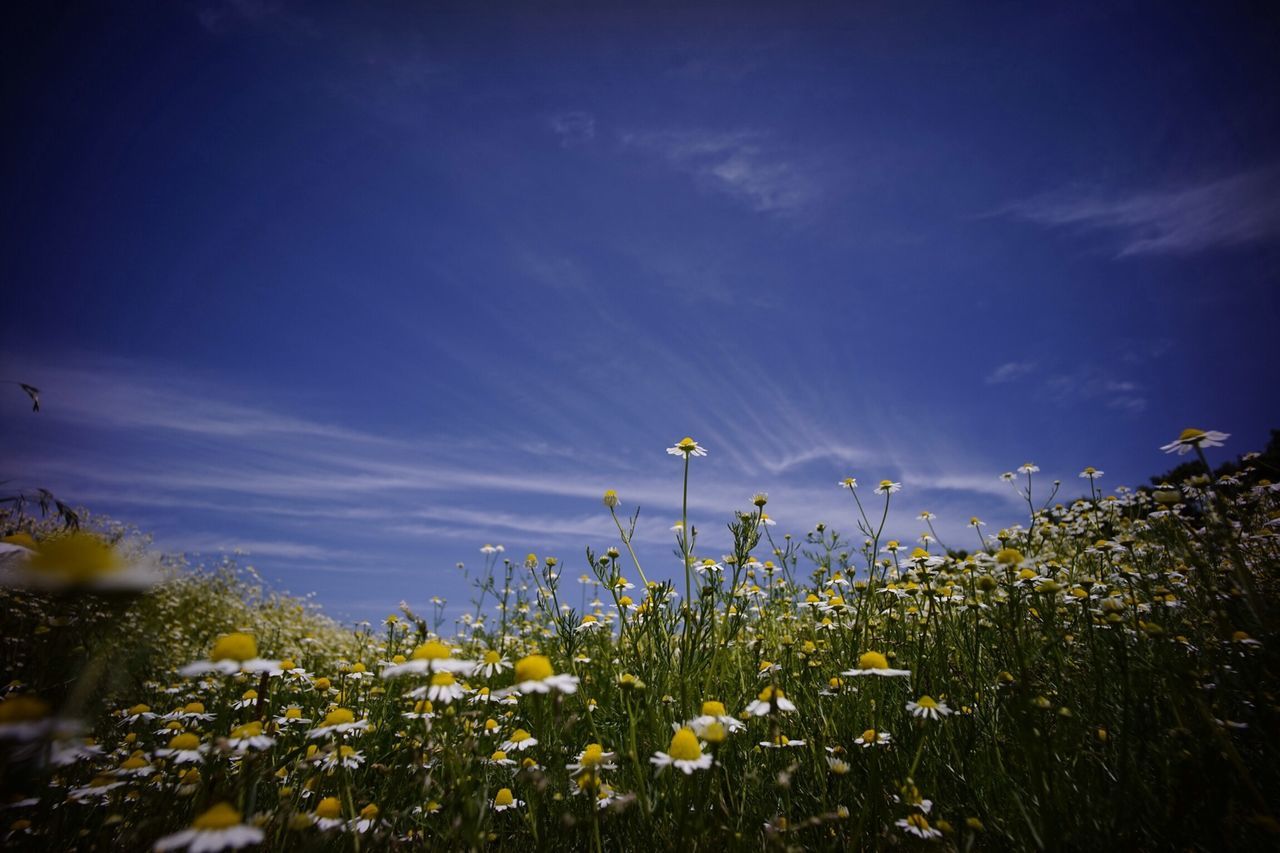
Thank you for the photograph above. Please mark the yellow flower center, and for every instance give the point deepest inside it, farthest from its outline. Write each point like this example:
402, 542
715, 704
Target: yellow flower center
869, 736
237, 647
329, 808
592, 755
685, 746
1190, 434
534, 668
927, 702
19, 709
338, 716
221, 816
714, 733
498, 755
771, 692
133, 763
77, 557
1009, 556
249, 694
287, 665
345, 751
492, 657
186, 740
140, 709
432, 650
369, 812
293, 714
247, 730
520, 735
712, 708
872, 660
504, 797
443, 679
686, 444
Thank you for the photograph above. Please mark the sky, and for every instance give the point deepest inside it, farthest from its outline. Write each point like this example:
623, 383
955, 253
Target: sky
355, 289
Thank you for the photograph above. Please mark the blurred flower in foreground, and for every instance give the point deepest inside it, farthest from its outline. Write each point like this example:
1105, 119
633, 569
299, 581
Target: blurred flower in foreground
1192, 438
219, 828
232, 653
73, 561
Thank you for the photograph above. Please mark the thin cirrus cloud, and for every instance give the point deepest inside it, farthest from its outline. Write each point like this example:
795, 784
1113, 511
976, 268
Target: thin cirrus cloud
1232, 211
741, 164
1010, 371
574, 127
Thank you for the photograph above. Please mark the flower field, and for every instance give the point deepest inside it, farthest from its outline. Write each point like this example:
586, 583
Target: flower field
1102, 675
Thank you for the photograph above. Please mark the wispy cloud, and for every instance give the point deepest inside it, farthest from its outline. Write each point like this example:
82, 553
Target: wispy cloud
574, 127
1092, 385
741, 164
1009, 371
1231, 211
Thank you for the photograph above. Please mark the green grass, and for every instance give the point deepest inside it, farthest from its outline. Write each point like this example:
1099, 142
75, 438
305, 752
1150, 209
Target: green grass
1108, 668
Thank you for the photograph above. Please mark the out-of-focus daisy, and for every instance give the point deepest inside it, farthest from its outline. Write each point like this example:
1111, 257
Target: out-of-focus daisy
338, 721
534, 674
231, 654
492, 549
593, 758
328, 814
368, 820
498, 758
1090, 473
184, 748
714, 712
443, 688
1192, 438
504, 800
219, 828
918, 825
888, 487
520, 739
73, 561
344, 756
771, 697
431, 656
928, 708
780, 741
875, 663
292, 716
249, 737
684, 753
871, 738
708, 565
687, 447
24, 717
1028, 468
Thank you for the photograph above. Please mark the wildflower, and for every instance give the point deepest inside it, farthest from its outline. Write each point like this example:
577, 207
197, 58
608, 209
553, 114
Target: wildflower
344, 756
219, 828
871, 738
611, 499
918, 825
338, 721
249, 736
1190, 439
184, 748
688, 447
837, 766
328, 814
492, 663
504, 800
685, 753
594, 759
1028, 468
231, 654
875, 663
368, 819
492, 549
443, 688
713, 713
780, 741
520, 739
1090, 473
707, 566
534, 674
292, 717
431, 656
24, 717
771, 697
927, 707
498, 758
73, 560
849, 483
888, 487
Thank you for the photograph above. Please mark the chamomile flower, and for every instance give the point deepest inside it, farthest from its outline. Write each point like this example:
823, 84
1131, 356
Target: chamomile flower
1189, 439
1028, 468
918, 825
344, 756
926, 707
684, 753
499, 758
219, 828
492, 663
73, 561
594, 759
249, 737
24, 717
184, 748
431, 656
849, 483
888, 487
871, 738
1090, 473
338, 721
292, 716
714, 712
780, 741
770, 698
328, 814
443, 688
520, 739
687, 447
534, 674
231, 654
504, 800
875, 663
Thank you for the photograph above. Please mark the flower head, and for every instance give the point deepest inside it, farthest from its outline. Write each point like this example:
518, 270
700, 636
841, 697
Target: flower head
219, 828
875, 663
687, 447
685, 753
928, 708
534, 674
1189, 439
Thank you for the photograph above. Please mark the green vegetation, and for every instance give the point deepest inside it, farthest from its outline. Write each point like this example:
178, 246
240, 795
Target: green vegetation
1103, 676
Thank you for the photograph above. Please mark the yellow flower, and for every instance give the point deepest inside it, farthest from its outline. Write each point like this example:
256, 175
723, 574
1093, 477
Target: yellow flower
237, 647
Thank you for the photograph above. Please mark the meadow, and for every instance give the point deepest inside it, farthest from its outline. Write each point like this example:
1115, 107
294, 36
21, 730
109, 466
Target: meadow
1100, 676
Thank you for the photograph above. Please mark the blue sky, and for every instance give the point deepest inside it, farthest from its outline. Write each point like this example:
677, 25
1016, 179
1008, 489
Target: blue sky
359, 291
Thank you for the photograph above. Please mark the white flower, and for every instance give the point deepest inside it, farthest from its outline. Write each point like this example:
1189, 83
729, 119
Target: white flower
219, 828
520, 739
504, 800
1028, 468
687, 447
769, 698
929, 708
888, 487
918, 824
534, 674
1090, 473
874, 663
685, 754
1192, 438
